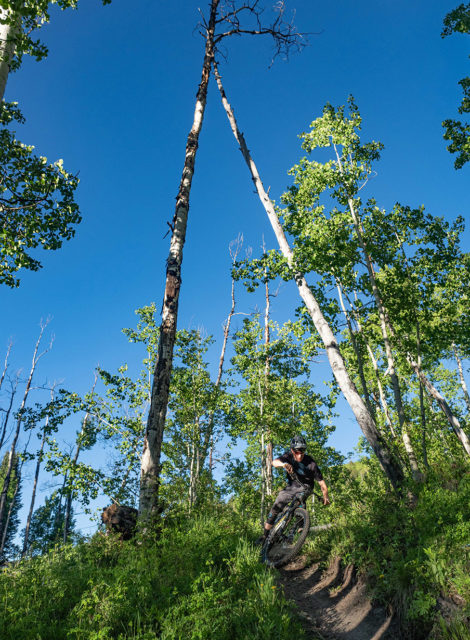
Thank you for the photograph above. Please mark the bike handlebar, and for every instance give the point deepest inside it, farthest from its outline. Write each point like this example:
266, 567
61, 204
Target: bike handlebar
307, 487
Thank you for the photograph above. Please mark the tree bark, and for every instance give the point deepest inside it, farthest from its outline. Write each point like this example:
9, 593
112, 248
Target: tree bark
150, 467
366, 422
268, 445
7, 49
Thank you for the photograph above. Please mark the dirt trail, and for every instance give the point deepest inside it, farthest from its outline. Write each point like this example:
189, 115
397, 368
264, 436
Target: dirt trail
334, 604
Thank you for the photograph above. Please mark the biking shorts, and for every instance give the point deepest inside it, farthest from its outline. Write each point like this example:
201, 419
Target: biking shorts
282, 499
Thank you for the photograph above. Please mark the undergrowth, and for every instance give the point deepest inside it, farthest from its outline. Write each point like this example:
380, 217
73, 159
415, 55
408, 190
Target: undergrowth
198, 579
416, 555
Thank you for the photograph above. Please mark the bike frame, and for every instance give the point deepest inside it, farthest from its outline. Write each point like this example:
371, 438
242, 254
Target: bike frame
298, 500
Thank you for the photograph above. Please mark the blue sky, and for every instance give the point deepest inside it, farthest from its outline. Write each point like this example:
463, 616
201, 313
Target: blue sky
115, 100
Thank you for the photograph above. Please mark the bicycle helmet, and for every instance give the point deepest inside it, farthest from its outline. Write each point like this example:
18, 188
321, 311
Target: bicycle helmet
298, 442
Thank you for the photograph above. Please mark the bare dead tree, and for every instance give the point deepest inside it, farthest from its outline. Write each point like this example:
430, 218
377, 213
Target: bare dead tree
234, 249
6, 417
266, 445
5, 367
6, 483
202, 447
226, 18
150, 466
248, 18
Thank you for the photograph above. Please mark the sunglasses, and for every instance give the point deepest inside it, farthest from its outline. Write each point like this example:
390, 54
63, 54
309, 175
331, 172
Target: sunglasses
298, 450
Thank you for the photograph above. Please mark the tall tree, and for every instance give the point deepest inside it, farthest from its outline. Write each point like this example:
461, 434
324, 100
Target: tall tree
366, 422
225, 19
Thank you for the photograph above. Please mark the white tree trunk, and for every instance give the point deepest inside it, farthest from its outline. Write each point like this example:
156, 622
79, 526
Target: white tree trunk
7, 50
463, 384
5, 366
434, 393
234, 248
268, 445
150, 465
6, 417
365, 420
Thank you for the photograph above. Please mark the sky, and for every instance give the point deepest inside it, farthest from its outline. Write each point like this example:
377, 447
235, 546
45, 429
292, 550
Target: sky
115, 98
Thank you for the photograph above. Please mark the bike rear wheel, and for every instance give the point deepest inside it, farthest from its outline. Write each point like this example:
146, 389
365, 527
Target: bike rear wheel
286, 539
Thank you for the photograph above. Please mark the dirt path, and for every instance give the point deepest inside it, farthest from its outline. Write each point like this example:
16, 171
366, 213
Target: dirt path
334, 604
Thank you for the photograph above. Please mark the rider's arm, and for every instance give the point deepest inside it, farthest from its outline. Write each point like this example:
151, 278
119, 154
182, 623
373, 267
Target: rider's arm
324, 490
277, 462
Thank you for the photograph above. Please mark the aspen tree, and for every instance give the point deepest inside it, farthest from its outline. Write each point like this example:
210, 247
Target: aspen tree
225, 20
366, 422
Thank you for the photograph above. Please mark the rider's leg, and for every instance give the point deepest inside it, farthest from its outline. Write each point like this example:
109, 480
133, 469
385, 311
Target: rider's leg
282, 499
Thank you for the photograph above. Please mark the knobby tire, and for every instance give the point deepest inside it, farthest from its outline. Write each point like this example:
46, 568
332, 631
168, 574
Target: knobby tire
278, 549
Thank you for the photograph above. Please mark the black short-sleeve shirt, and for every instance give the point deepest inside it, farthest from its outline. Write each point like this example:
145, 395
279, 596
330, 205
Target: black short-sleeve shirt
307, 470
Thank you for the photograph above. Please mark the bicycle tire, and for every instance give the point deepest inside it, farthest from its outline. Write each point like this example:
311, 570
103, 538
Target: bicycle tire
286, 539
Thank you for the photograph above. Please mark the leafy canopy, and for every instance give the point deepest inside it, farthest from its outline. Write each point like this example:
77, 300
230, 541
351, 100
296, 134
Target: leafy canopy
26, 17
457, 132
37, 206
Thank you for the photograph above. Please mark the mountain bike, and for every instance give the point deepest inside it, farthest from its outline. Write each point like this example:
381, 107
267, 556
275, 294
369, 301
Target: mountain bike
290, 529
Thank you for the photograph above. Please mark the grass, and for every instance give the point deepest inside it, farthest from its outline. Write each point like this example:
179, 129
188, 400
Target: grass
200, 579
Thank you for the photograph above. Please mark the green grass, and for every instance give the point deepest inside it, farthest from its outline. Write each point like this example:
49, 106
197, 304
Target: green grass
201, 579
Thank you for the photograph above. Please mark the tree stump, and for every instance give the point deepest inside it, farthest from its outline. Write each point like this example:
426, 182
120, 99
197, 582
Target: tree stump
120, 519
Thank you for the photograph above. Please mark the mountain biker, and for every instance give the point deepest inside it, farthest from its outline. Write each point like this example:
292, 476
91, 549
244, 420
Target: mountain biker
306, 468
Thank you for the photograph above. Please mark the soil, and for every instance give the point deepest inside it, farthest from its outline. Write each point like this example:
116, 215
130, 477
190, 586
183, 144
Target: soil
334, 604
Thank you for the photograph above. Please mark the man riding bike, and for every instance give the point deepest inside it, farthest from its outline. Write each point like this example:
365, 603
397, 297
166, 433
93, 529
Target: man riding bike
306, 468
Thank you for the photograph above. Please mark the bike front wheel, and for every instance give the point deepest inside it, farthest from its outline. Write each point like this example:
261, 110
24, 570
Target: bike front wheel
286, 539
